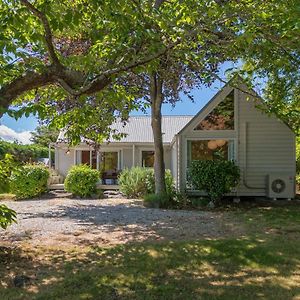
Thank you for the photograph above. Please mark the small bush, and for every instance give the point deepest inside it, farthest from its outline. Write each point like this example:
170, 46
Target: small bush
158, 200
81, 180
29, 181
138, 182
215, 177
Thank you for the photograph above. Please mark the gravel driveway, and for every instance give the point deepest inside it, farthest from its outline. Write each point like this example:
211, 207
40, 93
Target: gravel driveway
72, 222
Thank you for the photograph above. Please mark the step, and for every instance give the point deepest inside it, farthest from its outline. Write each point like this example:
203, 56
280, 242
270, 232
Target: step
57, 186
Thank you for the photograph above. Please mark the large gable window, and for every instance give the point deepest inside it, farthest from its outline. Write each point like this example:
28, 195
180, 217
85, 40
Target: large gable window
210, 150
221, 117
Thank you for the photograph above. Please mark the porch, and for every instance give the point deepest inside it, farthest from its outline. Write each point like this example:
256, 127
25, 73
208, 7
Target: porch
110, 160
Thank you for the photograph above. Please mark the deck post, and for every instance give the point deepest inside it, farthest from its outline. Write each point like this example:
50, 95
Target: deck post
75, 160
49, 156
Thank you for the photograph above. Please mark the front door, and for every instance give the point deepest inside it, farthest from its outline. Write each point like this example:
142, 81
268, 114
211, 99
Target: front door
85, 157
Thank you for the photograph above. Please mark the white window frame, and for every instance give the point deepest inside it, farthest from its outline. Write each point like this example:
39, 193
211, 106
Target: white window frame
236, 119
235, 143
120, 156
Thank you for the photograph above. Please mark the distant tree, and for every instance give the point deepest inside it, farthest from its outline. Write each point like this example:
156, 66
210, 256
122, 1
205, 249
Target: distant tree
44, 135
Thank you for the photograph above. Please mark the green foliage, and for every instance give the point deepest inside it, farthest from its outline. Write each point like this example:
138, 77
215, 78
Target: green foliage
81, 180
215, 177
29, 181
137, 182
7, 165
162, 200
298, 160
7, 216
23, 153
44, 135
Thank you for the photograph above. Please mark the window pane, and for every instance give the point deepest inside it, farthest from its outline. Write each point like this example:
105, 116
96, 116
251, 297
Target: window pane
109, 161
148, 159
207, 150
221, 118
85, 157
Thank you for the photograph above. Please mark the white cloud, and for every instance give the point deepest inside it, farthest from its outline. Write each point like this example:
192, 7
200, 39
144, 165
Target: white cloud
10, 135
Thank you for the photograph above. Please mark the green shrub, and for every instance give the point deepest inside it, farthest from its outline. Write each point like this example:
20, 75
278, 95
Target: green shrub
81, 180
215, 177
7, 216
165, 200
29, 181
138, 182
7, 165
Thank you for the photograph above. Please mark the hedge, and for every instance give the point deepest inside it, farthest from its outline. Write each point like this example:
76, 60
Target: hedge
23, 153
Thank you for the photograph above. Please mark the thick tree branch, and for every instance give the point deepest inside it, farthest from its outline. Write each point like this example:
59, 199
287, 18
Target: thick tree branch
48, 34
29, 81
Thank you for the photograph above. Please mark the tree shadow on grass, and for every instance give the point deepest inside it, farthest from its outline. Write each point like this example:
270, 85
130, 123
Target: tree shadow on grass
216, 269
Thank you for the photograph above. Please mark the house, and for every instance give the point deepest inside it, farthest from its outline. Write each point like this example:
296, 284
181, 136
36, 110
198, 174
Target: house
229, 127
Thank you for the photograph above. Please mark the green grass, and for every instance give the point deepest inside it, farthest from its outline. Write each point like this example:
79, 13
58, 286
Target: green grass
263, 263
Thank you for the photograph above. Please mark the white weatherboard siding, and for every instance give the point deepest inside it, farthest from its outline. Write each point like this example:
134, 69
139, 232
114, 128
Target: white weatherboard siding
64, 161
267, 144
173, 157
127, 158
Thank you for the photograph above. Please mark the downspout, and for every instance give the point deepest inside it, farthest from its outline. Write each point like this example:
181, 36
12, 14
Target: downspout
179, 163
246, 161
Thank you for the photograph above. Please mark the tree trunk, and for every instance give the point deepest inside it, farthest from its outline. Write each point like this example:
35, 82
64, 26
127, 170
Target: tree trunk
156, 103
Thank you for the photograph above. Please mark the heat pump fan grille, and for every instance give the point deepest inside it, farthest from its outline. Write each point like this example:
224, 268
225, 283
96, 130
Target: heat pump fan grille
278, 186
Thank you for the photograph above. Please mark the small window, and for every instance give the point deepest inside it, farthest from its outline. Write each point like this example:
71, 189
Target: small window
148, 159
221, 117
210, 150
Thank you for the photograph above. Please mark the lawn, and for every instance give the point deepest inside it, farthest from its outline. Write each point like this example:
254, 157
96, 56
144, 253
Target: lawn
263, 264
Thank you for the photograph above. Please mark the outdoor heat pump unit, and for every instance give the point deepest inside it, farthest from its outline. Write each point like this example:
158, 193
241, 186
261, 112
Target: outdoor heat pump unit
280, 186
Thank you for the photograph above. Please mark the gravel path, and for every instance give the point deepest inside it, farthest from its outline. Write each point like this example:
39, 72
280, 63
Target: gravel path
71, 222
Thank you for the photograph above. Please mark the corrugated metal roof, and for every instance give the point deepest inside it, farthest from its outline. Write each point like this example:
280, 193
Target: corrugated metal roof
138, 129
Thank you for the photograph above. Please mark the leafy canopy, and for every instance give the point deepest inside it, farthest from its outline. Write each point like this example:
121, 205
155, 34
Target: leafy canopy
70, 62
